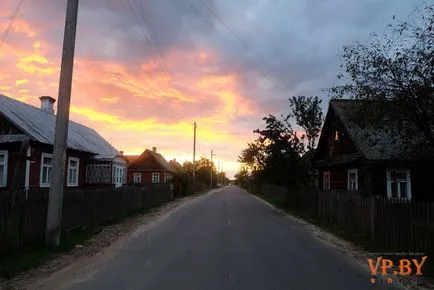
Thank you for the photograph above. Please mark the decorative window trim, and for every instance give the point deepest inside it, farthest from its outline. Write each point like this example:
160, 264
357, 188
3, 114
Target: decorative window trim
4, 178
139, 179
44, 155
155, 177
326, 177
77, 168
407, 180
350, 171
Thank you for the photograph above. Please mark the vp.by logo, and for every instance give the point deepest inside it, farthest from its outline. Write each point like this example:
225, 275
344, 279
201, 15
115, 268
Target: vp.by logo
405, 267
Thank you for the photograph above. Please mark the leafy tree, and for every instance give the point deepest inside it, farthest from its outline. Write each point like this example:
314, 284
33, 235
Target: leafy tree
276, 156
396, 67
308, 115
242, 176
203, 170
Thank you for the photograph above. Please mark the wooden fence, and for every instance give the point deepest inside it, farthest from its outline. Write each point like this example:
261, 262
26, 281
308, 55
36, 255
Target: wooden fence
23, 215
399, 226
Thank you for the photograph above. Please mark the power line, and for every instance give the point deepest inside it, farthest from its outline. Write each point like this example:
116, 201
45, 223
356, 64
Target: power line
268, 77
150, 38
243, 42
11, 21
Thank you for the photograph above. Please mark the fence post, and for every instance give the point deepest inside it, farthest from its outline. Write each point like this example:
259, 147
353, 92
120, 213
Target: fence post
372, 213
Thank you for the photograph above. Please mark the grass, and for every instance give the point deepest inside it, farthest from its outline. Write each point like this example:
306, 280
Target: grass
16, 262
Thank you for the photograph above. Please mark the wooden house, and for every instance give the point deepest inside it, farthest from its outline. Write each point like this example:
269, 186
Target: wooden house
371, 160
26, 148
149, 167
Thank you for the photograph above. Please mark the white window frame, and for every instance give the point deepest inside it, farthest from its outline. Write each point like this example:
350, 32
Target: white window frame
157, 175
326, 177
350, 171
139, 179
4, 178
407, 180
78, 170
45, 155
119, 172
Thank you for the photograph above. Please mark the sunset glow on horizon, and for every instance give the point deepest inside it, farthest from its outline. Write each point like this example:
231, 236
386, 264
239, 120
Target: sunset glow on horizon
142, 81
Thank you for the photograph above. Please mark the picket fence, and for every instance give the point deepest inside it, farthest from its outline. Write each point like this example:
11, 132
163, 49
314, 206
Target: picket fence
23, 214
395, 225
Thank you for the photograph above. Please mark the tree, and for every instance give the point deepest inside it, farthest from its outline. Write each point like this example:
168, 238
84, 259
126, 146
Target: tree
203, 170
397, 67
242, 176
308, 115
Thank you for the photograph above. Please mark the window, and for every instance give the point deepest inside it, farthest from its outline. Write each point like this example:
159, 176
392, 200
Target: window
73, 165
168, 177
353, 179
3, 168
155, 177
336, 135
137, 177
118, 175
398, 184
326, 180
46, 161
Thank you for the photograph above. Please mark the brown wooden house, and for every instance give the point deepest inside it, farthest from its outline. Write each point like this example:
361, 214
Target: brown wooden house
360, 158
149, 167
26, 147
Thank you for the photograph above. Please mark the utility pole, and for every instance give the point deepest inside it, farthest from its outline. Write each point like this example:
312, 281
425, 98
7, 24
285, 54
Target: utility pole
194, 157
212, 155
55, 200
218, 173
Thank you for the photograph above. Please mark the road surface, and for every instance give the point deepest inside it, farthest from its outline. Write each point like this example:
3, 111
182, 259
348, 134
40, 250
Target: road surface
228, 240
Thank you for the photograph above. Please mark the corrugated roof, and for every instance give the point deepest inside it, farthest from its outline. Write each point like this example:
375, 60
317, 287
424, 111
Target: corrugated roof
39, 125
375, 143
13, 138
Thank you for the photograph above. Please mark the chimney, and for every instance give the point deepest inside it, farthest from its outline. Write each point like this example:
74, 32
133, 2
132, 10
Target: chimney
154, 149
47, 103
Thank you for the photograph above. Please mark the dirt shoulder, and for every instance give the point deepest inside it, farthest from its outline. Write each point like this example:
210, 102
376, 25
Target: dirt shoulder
85, 259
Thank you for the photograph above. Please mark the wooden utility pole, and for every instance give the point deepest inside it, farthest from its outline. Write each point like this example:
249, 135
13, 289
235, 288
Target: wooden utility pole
212, 154
55, 201
194, 157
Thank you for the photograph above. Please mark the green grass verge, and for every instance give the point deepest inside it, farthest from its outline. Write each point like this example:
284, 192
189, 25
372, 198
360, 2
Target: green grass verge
16, 262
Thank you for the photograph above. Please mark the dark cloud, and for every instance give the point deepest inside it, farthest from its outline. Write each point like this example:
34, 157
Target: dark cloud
292, 45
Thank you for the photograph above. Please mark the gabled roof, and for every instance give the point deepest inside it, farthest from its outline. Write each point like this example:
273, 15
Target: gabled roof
176, 165
39, 125
373, 142
144, 162
131, 158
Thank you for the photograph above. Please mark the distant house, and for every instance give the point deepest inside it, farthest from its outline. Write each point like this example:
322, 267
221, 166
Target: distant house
26, 148
177, 166
370, 160
149, 167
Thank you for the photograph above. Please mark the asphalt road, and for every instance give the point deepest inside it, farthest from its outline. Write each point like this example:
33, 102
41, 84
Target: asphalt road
229, 240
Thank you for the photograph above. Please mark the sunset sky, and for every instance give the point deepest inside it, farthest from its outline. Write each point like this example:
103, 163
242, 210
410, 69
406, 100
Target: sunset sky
144, 73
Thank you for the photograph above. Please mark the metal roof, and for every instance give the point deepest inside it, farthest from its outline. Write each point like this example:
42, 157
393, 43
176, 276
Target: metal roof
10, 138
39, 126
379, 143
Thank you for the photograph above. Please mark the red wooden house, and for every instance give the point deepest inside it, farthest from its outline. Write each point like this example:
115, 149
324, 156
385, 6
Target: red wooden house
149, 167
373, 161
26, 147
